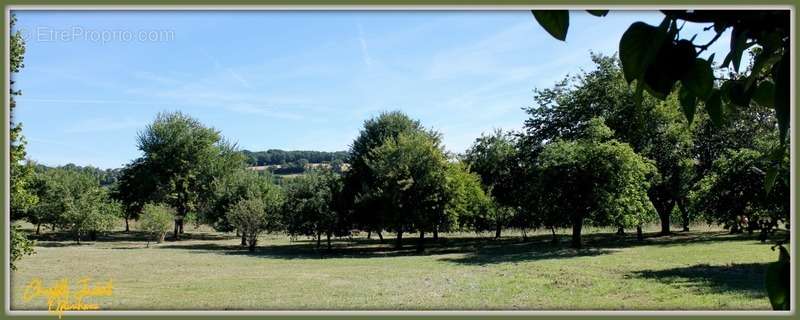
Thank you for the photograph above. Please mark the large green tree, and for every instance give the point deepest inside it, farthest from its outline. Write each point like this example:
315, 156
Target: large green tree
493, 157
360, 181
316, 206
410, 176
180, 154
596, 178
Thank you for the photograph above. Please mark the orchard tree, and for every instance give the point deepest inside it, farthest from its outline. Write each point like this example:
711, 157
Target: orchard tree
594, 178
655, 129
733, 193
156, 220
134, 189
316, 205
229, 189
177, 151
410, 175
360, 180
493, 157
468, 206
21, 198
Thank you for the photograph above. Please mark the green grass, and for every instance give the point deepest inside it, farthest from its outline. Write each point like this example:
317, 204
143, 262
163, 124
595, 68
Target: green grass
704, 269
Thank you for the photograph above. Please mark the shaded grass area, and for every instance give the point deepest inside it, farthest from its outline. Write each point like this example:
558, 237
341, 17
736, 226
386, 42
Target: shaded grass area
709, 270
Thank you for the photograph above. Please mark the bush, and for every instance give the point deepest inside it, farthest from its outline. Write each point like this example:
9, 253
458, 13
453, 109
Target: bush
156, 220
20, 245
250, 217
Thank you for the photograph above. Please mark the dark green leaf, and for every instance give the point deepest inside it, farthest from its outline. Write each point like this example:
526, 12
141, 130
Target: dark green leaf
688, 103
764, 94
714, 107
778, 281
556, 22
736, 93
638, 48
769, 180
738, 41
673, 61
700, 79
780, 73
598, 13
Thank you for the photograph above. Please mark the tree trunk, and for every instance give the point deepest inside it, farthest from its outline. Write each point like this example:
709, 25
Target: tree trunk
329, 240
93, 235
319, 239
127, 226
78, 238
175, 233
498, 230
664, 224
435, 234
399, 242
555, 237
380, 236
160, 239
369, 235
639, 234
252, 245
38, 226
180, 227
684, 216
576, 233
620, 231
421, 243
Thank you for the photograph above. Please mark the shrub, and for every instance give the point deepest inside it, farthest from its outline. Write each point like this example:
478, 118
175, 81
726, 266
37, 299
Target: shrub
156, 220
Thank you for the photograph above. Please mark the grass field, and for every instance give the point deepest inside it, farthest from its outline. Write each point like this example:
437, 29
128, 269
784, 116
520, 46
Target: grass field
704, 269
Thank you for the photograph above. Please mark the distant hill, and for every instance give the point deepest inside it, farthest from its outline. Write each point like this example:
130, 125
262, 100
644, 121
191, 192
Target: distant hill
282, 157
294, 162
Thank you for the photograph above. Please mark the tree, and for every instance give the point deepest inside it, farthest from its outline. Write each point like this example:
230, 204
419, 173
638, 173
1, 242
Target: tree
594, 178
255, 213
177, 152
21, 174
410, 176
359, 180
468, 206
493, 157
21, 246
228, 189
135, 187
156, 220
316, 205
733, 193
653, 128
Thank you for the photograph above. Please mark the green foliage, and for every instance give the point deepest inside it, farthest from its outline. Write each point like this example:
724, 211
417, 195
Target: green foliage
556, 22
411, 184
156, 219
494, 158
468, 205
778, 281
315, 205
360, 181
257, 211
734, 189
594, 178
20, 245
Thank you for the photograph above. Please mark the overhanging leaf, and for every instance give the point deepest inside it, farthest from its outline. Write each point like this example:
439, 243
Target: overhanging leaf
777, 281
780, 74
714, 108
769, 180
556, 22
688, 103
638, 48
764, 94
598, 13
699, 79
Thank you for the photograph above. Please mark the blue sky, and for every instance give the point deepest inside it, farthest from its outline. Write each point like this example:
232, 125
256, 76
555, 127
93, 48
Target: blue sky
289, 80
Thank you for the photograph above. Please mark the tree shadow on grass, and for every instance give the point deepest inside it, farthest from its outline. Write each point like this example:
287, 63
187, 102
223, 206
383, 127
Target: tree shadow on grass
66, 238
746, 278
473, 250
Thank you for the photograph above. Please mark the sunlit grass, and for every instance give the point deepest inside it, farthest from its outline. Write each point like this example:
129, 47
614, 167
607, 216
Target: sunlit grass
703, 269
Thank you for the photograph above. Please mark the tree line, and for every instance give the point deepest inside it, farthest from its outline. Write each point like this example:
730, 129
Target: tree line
588, 154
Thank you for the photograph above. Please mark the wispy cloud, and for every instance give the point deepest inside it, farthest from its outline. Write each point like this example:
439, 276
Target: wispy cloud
232, 73
104, 125
364, 47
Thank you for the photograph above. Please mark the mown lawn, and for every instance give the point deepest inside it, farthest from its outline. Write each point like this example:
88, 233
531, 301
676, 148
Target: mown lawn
704, 269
